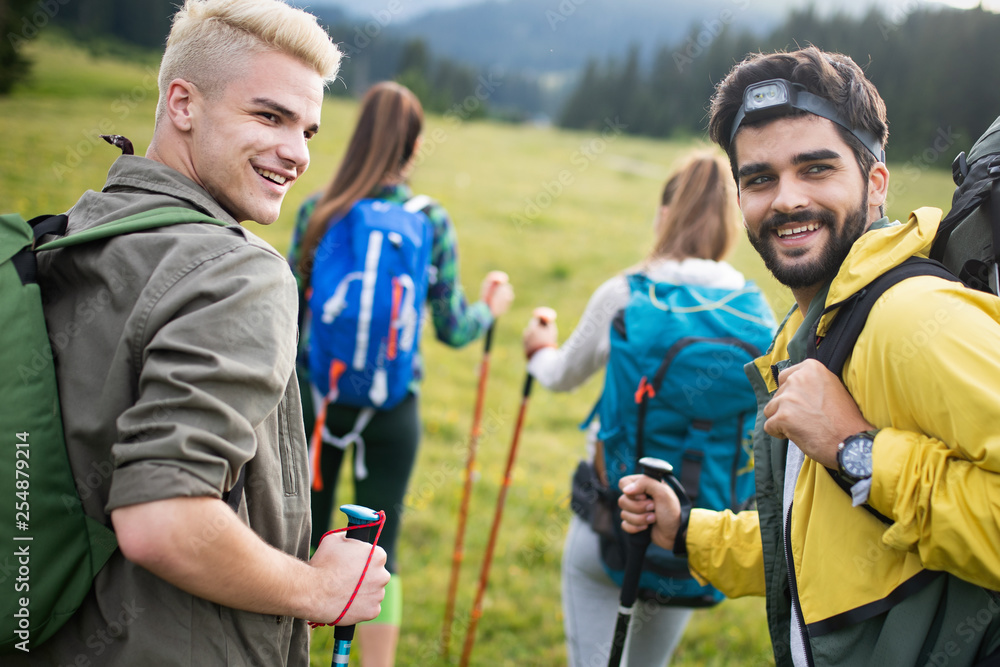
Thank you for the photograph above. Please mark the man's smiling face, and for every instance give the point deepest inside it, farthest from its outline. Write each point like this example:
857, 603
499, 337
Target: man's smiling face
248, 143
803, 198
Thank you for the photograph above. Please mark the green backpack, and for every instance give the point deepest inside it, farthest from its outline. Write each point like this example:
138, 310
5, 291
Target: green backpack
52, 550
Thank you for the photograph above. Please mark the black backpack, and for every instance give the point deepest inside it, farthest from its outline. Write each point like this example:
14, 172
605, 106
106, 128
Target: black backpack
968, 239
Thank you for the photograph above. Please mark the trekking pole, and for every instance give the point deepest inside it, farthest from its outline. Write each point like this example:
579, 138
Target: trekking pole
463, 512
661, 471
477, 609
343, 635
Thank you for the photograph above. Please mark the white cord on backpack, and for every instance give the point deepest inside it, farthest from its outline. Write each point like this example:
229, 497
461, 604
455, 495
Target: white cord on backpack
353, 437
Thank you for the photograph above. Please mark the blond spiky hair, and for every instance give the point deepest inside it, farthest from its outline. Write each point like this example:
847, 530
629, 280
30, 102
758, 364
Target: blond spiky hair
210, 42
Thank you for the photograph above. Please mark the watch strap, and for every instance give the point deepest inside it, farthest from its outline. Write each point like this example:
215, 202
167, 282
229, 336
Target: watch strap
680, 540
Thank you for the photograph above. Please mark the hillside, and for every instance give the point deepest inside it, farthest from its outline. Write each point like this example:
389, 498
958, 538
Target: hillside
560, 212
547, 37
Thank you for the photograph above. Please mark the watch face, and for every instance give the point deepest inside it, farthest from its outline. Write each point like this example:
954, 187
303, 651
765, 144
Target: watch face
856, 458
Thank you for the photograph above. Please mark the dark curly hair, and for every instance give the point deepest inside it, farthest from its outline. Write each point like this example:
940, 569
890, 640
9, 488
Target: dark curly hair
832, 76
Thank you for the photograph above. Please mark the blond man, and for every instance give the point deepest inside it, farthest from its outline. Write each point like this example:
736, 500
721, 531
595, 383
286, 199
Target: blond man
182, 389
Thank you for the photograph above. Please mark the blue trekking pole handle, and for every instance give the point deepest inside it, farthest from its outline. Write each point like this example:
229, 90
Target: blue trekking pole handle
661, 471
343, 635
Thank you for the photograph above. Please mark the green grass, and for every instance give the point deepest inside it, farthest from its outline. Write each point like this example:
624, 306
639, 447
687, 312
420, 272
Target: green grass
560, 212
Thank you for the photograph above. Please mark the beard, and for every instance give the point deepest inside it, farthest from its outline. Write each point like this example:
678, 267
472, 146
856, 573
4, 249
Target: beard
831, 256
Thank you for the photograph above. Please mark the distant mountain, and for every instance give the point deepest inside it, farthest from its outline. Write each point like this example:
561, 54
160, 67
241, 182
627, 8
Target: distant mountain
403, 10
561, 35
540, 48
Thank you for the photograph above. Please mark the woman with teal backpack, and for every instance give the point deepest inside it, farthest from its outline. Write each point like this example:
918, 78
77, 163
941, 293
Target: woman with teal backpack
360, 254
672, 334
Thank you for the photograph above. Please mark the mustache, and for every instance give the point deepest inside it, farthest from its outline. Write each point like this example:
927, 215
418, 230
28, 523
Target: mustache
822, 216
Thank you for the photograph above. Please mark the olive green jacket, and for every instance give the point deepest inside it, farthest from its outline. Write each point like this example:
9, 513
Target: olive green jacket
174, 353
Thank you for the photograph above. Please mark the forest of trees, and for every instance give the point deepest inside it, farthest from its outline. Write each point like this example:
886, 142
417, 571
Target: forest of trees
936, 69
443, 86
16, 27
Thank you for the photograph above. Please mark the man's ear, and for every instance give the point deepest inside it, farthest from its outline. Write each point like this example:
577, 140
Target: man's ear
878, 185
182, 97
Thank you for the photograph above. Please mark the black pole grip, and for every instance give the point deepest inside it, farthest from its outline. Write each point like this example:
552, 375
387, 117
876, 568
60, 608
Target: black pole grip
489, 338
638, 543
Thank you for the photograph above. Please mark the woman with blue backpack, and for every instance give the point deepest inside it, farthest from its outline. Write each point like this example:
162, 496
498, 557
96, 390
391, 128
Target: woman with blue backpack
368, 255
672, 334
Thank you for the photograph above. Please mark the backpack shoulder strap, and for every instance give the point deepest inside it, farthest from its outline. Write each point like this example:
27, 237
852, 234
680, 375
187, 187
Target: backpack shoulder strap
995, 227
159, 217
418, 204
48, 224
839, 341
585, 424
234, 495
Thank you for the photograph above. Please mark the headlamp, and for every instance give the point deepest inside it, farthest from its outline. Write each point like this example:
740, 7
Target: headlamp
777, 97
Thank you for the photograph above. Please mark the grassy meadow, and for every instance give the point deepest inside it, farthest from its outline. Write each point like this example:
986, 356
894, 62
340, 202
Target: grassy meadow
560, 212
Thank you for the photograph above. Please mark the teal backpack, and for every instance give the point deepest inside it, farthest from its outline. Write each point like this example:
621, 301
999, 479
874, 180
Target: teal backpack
52, 549
675, 389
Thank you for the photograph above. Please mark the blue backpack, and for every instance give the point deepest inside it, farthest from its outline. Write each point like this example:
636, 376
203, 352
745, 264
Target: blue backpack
369, 283
675, 389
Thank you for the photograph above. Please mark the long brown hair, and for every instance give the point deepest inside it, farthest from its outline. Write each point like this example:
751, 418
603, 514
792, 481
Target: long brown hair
382, 144
700, 219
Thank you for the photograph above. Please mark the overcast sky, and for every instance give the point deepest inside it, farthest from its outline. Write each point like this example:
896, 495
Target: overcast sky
991, 5
409, 8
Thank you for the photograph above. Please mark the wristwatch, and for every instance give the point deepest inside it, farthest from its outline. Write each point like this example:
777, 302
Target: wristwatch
854, 456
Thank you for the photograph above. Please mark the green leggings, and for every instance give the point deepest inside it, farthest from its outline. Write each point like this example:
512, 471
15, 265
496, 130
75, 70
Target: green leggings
391, 440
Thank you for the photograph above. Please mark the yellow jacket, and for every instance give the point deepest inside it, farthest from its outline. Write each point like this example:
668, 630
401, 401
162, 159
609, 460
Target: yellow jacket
926, 371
